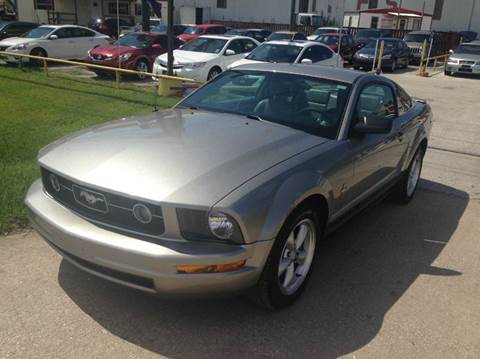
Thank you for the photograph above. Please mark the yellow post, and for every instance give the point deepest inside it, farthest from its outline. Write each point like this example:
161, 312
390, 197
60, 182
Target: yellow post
380, 55
45, 67
117, 79
165, 86
421, 70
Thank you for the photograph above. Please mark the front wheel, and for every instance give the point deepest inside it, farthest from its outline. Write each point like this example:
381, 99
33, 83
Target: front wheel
287, 269
141, 66
408, 184
393, 67
37, 52
214, 73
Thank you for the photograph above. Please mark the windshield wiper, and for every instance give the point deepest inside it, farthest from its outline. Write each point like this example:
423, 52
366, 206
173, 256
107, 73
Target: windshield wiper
254, 117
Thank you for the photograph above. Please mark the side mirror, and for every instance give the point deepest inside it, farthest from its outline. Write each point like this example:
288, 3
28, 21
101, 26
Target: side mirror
229, 52
306, 62
53, 37
374, 124
156, 46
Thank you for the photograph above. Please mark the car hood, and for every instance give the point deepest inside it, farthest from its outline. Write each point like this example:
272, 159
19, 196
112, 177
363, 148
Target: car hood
187, 37
244, 62
113, 51
370, 51
185, 57
175, 156
465, 57
16, 41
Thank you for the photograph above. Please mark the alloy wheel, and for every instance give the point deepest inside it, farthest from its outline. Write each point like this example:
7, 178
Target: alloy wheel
297, 256
414, 174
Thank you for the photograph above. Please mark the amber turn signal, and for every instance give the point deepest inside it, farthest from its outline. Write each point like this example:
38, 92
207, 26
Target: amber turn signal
212, 268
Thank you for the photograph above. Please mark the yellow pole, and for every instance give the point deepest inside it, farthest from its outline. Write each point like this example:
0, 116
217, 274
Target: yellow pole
421, 70
380, 55
45, 67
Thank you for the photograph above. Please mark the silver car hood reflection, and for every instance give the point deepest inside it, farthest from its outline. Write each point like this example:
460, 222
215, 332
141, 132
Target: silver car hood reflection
175, 156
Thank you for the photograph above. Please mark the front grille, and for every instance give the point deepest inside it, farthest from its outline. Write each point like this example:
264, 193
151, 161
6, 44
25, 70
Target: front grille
113, 273
465, 62
104, 209
99, 57
164, 64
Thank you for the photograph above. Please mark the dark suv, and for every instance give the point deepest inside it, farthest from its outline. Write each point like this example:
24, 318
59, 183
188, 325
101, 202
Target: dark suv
15, 28
363, 36
109, 25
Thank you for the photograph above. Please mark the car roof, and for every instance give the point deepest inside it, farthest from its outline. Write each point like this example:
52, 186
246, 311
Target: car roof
287, 32
299, 43
61, 26
206, 26
226, 37
323, 72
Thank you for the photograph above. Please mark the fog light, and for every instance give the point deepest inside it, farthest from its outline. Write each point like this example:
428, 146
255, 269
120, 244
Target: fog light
142, 213
211, 268
54, 182
220, 225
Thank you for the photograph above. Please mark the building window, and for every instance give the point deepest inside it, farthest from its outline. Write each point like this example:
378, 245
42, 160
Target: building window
372, 4
221, 4
43, 4
303, 6
437, 10
123, 8
314, 6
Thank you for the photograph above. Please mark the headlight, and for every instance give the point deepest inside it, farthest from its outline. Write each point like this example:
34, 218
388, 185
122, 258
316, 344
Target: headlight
125, 57
453, 61
198, 225
195, 65
18, 47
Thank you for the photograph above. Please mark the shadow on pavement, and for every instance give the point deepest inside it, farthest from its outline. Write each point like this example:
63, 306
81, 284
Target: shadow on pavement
361, 272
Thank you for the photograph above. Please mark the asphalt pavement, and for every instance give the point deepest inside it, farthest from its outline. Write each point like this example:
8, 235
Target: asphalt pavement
394, 282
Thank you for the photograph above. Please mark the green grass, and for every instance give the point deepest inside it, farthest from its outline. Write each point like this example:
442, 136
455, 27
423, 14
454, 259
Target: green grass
36, 109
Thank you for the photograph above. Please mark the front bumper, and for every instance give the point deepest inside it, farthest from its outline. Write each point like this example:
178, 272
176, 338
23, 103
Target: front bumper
139, 264
129, 64
367, 63
197, 74
463, 69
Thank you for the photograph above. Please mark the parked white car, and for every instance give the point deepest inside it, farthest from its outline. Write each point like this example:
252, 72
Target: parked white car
59, 41
298, 52
207, 56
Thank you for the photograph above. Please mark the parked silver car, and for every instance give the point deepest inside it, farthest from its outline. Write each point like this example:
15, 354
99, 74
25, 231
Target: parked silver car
232, 188
465, 59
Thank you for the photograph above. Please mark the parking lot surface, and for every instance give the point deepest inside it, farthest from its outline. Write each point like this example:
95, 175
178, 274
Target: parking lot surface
394, 282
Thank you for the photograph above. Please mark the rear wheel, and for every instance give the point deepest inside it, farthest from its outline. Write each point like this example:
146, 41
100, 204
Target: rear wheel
393, 66
142, 66
214, 73
287, 269
408, 184
37, 52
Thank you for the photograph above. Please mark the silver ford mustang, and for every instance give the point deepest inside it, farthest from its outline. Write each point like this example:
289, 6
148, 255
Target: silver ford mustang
232, 188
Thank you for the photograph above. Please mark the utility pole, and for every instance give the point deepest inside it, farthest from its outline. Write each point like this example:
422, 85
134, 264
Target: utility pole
474, 2
292, 14
145, 16
170, 39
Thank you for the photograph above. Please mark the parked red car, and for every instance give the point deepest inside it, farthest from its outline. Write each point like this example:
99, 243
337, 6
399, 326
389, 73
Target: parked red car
348, 48
194, 31
135, 51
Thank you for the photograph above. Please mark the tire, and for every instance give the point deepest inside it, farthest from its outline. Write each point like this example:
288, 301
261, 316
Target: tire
393, 66
37, 52
286, 272
406, 188
407, 64
214, 72
448, 73
142, 65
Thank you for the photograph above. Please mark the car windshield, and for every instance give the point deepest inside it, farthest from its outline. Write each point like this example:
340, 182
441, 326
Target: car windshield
235, 32
193, 30
279, 36
205, 44
39, 32
159, 28
328, 39
308, 104
366, 33
416, 38
468, 49
389, 44
138, 41
275, 53
322, 31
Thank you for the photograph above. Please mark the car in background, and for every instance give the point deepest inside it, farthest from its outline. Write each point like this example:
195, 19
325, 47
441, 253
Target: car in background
348, 47
235, 187
195, 31
110, 25
15, 28
395, 54
415, 41
177, 28
286, 35
135, 51
206, 57
292, 52
468, 36
326, 30
59, 41
364, 36
257, 34
464, 59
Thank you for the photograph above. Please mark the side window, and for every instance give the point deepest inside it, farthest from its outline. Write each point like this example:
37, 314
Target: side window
78, 32
317, 53
63, 33
376, 100
404, 101
163, 41
344, 41
237, 46
124, 23
299, 36
258, 36
248, 45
